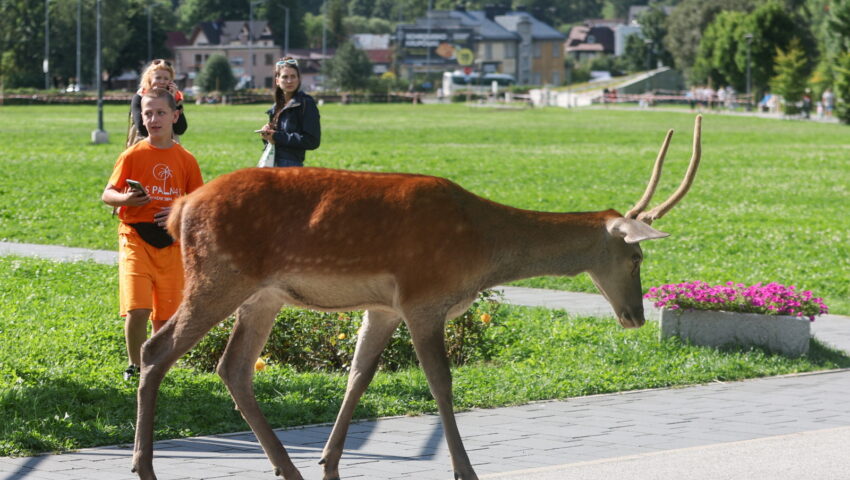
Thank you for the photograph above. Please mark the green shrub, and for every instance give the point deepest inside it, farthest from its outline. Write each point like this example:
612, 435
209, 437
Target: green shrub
308, 340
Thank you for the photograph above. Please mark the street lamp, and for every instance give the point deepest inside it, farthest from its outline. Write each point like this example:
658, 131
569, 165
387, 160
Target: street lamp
79, 29
251, 40
150, 36
749, 38
99, 135
46, 64
286, 39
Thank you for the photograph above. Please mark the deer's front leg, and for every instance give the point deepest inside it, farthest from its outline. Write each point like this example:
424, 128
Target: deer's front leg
375, 333
428, 334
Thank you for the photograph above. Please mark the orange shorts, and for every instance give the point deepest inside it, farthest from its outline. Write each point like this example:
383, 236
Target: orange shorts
148, 277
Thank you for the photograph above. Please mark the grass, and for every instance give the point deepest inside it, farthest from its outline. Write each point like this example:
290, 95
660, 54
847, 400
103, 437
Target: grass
62, 353
769, 202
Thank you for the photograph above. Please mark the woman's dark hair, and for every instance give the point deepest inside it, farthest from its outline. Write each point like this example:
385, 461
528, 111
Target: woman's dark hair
285, 62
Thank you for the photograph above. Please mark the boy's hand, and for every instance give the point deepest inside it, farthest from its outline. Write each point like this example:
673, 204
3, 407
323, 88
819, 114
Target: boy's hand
135, 198
161, 217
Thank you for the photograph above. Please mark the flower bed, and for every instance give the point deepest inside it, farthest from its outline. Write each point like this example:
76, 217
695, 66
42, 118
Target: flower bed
771, 316
770, 299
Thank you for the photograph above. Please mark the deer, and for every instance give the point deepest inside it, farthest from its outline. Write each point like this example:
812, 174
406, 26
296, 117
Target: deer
403, 247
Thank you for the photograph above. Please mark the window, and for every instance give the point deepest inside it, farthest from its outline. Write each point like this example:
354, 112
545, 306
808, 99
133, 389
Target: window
556, 50
556, 78
268, 82
269, 59
199, 59
535, 79
510, 50
536, 49
488, 51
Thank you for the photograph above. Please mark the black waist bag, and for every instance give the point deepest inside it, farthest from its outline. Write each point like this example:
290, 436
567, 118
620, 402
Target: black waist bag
152, 233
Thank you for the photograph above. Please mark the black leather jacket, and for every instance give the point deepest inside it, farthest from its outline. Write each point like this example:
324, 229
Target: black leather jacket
298, 130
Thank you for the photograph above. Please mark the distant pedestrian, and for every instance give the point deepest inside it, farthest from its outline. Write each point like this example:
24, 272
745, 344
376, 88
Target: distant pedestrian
294, 126
807, 104
828, 99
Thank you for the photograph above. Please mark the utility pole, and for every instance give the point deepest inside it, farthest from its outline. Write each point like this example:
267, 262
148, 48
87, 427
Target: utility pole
99, 136
251, 41
46, 65
286, 39
749, 38
150, 37
79, 29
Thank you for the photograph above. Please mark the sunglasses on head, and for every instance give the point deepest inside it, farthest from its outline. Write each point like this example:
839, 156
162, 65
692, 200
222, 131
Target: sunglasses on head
160, 61
288, 61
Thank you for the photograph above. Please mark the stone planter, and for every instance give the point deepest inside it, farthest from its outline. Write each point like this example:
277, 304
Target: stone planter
782, 334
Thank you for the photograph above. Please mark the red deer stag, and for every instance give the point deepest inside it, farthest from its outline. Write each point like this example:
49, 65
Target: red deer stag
409, 248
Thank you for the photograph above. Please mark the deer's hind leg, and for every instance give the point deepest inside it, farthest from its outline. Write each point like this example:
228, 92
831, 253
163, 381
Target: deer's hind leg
254, 322
378, 327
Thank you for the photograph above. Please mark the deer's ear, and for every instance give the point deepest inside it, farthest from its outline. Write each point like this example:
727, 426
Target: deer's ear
633, 231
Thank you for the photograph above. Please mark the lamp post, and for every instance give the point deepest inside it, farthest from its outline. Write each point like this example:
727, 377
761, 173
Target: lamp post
251, 40
99, 135
150, 36
46, 64
286, 38
79, 30
749, 38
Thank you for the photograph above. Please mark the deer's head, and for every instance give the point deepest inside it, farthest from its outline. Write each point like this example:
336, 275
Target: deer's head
618, 275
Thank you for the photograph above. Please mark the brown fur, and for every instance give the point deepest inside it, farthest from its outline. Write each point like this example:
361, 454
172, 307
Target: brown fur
403, 247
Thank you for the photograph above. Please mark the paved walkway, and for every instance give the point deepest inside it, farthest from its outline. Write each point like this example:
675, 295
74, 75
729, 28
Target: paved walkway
776, 428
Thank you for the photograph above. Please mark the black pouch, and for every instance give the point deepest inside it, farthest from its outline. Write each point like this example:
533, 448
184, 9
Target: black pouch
152, 233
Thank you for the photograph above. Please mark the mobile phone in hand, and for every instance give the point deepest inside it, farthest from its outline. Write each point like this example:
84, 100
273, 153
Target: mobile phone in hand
137, 186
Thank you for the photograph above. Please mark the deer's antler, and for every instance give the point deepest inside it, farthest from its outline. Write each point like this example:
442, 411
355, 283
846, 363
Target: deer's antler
660, 210
640, 206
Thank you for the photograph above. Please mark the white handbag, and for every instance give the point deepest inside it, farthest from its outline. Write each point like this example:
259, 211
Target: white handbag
267, 158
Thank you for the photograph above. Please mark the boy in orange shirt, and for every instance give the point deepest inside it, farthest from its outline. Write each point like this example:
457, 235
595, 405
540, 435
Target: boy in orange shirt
150, 267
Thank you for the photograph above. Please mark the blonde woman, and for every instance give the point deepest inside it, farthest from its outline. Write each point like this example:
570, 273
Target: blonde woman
159, 74
293, 125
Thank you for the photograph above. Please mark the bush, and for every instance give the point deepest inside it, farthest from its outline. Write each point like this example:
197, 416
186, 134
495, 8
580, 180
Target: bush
307, 340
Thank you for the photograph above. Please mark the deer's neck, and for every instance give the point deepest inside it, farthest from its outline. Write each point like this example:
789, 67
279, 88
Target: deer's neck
531, 244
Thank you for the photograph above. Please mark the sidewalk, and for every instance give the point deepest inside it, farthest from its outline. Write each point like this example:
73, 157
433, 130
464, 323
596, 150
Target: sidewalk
776, 428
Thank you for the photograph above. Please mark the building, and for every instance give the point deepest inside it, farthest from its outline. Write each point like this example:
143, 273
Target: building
592, 39
377, 48
493, 40
249, 48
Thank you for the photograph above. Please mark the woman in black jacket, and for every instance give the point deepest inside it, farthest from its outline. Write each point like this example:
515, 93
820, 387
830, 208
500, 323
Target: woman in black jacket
293, 125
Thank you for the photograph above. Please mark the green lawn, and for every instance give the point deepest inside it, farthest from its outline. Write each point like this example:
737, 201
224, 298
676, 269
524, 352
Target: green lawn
61, 355
769, 202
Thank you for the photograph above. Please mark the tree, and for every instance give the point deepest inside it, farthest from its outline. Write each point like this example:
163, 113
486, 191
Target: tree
216, 75
842, 87
275, 14
791, 75
715, 62
773, 26
688, 21
192, 12
645, 51
349, 69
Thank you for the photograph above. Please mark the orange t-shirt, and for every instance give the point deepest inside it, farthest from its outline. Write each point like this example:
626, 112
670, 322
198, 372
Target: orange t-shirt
166, 174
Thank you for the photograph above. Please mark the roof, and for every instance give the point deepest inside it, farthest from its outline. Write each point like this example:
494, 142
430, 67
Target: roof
380, 55
224, 32
501, 27
175, 39
539, 30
